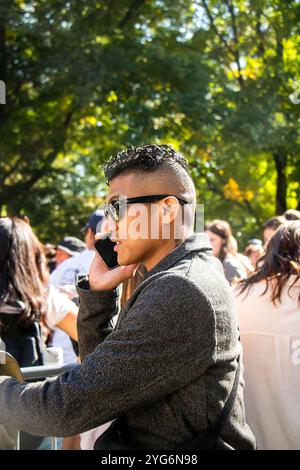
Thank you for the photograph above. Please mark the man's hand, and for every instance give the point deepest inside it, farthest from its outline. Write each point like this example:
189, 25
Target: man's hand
103, 278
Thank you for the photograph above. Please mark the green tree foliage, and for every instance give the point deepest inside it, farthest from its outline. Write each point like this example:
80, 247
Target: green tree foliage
255, 140
87, 78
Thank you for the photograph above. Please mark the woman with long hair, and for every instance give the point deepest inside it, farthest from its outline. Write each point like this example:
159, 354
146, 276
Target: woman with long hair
224, 247
25, 300
268, 306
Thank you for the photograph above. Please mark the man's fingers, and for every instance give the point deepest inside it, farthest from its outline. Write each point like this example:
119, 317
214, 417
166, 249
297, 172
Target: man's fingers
100, 235
127, 271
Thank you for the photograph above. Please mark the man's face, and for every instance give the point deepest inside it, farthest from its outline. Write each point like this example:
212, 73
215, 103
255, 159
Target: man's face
133, 230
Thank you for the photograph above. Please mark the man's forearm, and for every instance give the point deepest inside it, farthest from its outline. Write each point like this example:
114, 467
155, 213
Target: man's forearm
56, 407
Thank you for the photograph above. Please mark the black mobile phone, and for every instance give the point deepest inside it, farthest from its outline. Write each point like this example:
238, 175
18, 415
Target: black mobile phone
105, 248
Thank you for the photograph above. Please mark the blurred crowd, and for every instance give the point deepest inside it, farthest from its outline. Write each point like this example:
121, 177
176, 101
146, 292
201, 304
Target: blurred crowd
39, 306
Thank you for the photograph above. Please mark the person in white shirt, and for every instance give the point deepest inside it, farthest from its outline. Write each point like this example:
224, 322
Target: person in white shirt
64, 276
268, 306
67, 271
62, 312
66, 248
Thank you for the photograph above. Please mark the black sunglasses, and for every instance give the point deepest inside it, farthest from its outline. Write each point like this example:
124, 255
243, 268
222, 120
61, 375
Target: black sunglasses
114, 208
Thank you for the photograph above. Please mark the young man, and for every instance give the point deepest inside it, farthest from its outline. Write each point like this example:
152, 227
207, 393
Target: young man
169, 365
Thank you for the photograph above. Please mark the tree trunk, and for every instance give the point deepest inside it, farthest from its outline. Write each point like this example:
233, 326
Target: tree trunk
281, 182
2, 62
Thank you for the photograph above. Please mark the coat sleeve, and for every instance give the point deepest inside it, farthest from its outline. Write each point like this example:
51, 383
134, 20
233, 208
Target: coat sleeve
154, 351
94, 321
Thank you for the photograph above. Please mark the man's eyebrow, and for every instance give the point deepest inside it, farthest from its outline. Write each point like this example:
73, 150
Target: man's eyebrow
114, 197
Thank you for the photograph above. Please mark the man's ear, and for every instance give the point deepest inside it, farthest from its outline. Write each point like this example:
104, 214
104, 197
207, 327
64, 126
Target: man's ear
169, 210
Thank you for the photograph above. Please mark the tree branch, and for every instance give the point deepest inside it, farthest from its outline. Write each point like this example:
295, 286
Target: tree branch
261, 46
37, 174
134, 6
212, 23
66, 124
215, 189
2, 63
236, 42
12, 169
223, 41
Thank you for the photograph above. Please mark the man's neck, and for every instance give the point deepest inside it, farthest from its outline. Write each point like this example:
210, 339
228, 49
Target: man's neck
160, 254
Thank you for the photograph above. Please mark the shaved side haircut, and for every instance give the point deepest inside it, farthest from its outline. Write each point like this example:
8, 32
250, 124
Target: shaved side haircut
159, 169
166, 169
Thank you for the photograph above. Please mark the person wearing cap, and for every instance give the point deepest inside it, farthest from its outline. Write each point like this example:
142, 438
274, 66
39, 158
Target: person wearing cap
67, 247
65, 278
66, 273
254, 241
254, 250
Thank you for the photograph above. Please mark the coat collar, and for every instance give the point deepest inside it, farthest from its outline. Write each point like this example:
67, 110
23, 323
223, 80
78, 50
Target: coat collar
197, 242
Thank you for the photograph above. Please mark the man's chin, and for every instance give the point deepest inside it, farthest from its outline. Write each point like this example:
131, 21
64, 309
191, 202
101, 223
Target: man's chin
123, 261
126, 261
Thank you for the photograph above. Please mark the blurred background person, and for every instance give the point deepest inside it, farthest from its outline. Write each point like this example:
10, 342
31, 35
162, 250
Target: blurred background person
50, 253
28, 307
254, 251
67, 271
25, 300
66, 248
244, 260
23, 217
78, 257
225, 248
64, 278
292, 214
268, 306
271, 225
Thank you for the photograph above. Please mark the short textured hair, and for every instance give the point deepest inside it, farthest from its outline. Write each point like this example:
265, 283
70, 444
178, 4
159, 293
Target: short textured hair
147, 158
162, 170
